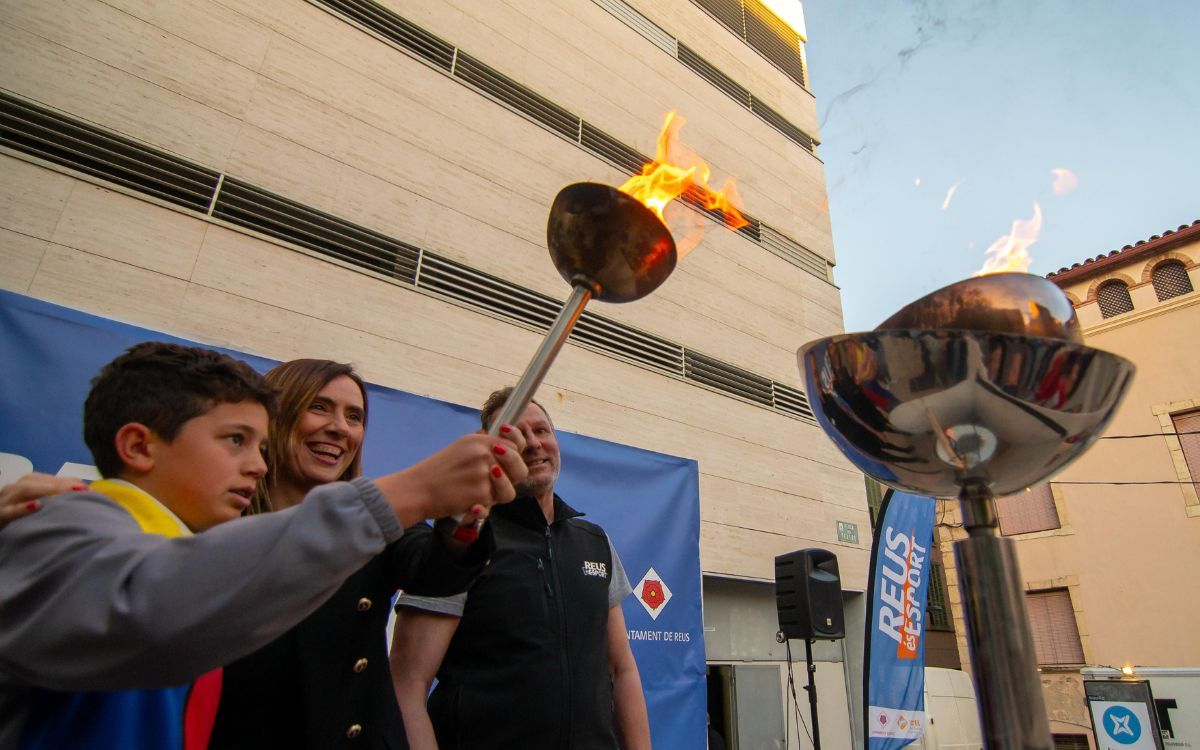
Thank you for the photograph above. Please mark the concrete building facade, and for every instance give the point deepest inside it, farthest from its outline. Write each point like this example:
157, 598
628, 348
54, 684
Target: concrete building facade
1106, 548
369, 180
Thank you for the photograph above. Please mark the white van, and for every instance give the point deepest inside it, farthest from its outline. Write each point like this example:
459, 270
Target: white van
951, 718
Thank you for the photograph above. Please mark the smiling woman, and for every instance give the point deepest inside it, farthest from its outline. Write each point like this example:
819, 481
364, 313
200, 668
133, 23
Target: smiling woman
326, 680
318, 435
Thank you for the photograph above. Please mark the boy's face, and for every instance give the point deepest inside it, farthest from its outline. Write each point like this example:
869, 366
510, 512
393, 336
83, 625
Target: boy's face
207, 474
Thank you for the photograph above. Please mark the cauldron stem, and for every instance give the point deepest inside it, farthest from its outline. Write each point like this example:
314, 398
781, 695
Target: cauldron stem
1012, 710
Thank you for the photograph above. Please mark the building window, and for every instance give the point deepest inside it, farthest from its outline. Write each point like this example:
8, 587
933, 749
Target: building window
1170, 279
1114, 299
937, 606
1185, 423
1055, 634
875, 492
1070, 742
1028, 511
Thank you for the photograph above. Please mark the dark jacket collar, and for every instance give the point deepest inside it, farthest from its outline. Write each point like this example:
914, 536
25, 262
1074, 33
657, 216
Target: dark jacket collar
526, 511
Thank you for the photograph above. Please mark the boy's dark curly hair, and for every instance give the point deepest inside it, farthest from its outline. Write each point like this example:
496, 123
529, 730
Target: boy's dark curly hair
162, 386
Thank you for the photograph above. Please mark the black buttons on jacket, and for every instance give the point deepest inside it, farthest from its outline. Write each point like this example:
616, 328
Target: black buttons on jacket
353, 731
364, 604
360, 665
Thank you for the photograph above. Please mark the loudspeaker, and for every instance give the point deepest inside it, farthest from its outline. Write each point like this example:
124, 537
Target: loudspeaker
808, 595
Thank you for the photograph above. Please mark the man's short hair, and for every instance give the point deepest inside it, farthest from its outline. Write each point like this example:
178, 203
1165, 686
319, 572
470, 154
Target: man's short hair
162, 386
496, 401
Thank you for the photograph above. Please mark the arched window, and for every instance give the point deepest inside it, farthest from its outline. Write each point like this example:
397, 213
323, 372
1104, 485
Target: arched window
1170, 279
1113, 297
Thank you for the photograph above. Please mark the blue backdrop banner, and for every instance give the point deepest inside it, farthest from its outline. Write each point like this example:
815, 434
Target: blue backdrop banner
894, 668
648, 502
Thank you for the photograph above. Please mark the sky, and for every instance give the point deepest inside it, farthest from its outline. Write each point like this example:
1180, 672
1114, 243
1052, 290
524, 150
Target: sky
916, 96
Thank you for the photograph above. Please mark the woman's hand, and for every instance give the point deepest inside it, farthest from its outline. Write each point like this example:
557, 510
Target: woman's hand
23, 496
475, 470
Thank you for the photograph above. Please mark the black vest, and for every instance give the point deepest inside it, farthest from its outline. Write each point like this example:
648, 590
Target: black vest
528, 666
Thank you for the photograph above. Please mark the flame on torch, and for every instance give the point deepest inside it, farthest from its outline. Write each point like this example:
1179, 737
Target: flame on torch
1010, 252
676, 170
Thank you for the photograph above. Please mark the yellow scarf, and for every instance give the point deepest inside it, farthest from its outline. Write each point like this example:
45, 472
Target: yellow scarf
150, 514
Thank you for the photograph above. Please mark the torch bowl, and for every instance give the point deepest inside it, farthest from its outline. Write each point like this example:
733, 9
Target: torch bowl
1001, 302
604, 239
932, 411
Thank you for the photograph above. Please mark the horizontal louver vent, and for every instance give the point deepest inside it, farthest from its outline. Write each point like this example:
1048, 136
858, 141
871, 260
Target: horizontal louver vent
628, 343
790, 250
762, 31
517, 96
792, 401
694, 197
70, 143
774, 39
483, 291
709, 73
541, 110
241, 204
611, 150
640, 24
728, 378
728, 12
397, 29
753, 228
777, 121
248, 206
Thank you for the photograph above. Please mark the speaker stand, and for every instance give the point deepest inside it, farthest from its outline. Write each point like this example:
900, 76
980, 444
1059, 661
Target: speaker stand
811, 687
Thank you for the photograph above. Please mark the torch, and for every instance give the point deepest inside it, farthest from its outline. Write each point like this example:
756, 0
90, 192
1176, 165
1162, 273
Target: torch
607, 246
981, 388
612, 244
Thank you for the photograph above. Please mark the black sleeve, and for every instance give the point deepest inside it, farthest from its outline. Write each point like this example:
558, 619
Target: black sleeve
421, 564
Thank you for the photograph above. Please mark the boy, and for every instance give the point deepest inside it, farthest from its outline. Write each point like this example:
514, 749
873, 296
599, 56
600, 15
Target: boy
111, 592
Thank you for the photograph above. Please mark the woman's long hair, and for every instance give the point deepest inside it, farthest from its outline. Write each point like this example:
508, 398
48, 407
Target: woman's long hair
297, 384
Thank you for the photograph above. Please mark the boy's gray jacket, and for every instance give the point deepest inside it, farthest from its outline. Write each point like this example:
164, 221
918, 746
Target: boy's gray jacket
90, 602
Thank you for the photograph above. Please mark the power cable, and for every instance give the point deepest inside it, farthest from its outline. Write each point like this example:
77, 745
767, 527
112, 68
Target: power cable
1148, 435
796, 701
1164, 481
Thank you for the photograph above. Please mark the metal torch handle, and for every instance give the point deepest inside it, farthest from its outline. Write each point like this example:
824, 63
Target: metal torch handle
542, 359
523, 391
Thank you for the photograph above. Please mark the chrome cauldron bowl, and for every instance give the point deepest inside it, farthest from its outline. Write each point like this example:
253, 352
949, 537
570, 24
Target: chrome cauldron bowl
934, 411
979, 389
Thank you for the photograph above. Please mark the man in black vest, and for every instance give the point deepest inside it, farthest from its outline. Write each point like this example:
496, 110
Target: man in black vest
534, 655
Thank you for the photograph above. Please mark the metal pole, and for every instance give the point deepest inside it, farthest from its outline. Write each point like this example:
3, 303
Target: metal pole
1012, 711
523, 391
542, 359
811, 687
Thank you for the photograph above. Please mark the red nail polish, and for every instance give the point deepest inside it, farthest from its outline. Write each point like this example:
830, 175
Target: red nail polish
31, 506
79, 487
497, 471
499, 450
466, 533
505, 429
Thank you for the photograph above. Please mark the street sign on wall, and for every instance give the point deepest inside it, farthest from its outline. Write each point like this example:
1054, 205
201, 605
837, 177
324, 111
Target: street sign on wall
1123, 715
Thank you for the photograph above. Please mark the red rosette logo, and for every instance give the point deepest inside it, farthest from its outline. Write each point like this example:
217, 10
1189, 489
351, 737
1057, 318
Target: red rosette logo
652, 593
